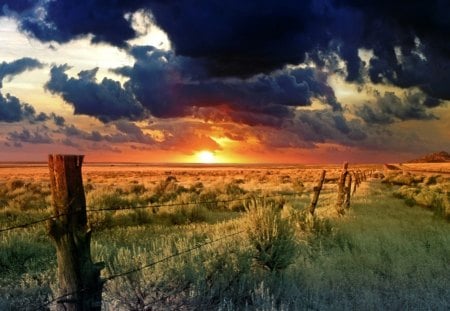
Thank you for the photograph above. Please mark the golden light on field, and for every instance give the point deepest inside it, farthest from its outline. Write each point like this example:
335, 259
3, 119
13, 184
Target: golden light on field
206, 156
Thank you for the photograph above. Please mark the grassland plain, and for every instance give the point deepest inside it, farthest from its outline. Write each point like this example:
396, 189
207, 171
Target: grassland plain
390, 251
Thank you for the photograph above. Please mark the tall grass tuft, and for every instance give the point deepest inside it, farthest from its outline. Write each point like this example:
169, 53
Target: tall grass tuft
271, 235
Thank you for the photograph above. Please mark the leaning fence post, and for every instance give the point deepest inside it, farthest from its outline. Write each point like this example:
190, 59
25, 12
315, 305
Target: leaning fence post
348, 187
80, 286
317, 189
341, 190
356, 182
358, 172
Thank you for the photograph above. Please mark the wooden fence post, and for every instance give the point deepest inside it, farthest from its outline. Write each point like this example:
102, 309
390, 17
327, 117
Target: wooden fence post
359, 177
348, 188
356, 182
341, 190
317, 189
80, 286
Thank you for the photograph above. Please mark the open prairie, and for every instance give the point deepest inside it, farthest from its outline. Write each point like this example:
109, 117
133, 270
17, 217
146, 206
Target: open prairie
235, 237
104, 88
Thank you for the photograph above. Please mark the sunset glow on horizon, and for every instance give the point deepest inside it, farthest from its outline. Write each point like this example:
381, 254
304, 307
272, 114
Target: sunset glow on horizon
206, 156
256, 84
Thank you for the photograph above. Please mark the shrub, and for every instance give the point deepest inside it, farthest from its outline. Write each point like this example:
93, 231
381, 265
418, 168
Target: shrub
27, 295
28, 201
140, 216
103, 199
20, 254
137, 189
209, 200
441, 205
433, 197
234, 189
405, 192
15, 184
298, 186
100, 220
318, 227
106, 198
430, 180
271, 235
167, 190
284, 179
189, 214
403, 179
197, 187
237, 206
88, 187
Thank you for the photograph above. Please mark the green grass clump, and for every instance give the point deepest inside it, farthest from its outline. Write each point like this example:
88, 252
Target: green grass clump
167, 190
27, 269
403, 179
434, 197
114, 198
271, 235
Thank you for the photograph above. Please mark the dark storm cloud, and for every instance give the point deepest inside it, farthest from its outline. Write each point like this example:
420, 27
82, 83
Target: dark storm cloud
58, 120
273, 138
325, 126
8, 70
245, 38
171, 86
418, 30
133, 132
235, 32
38, 136
185, 136
389, 108
126, 132
106, 100
230, 60
64, 20
18, 6
242, 38
11, 108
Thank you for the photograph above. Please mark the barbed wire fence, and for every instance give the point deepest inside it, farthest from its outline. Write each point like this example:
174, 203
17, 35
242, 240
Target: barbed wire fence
140, 268
88, 210
149, 206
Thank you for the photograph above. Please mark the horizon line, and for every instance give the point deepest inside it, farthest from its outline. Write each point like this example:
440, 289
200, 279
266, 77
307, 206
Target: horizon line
193, 163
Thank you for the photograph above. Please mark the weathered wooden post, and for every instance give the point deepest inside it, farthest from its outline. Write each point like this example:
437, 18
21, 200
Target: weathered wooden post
356, 183
80, 286
358, 172
317, 189
348, 187
341, 190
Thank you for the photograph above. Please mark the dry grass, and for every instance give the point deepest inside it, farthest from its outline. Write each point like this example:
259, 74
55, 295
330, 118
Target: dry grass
428, 167
383, 254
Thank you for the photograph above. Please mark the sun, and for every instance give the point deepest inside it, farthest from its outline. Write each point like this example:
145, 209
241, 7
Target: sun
206, 156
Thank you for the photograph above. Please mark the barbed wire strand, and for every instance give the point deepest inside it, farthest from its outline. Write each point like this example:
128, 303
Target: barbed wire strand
153, 263
28, 224
186, 203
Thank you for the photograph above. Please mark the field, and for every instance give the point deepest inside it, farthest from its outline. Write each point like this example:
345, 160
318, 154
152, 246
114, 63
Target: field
238, 238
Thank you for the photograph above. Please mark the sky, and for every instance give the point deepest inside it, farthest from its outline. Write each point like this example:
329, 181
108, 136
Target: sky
314, 81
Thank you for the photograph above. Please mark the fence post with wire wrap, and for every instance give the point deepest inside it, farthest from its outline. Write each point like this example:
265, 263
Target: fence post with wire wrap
317, 189
347, 190
341, 190
80, 286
